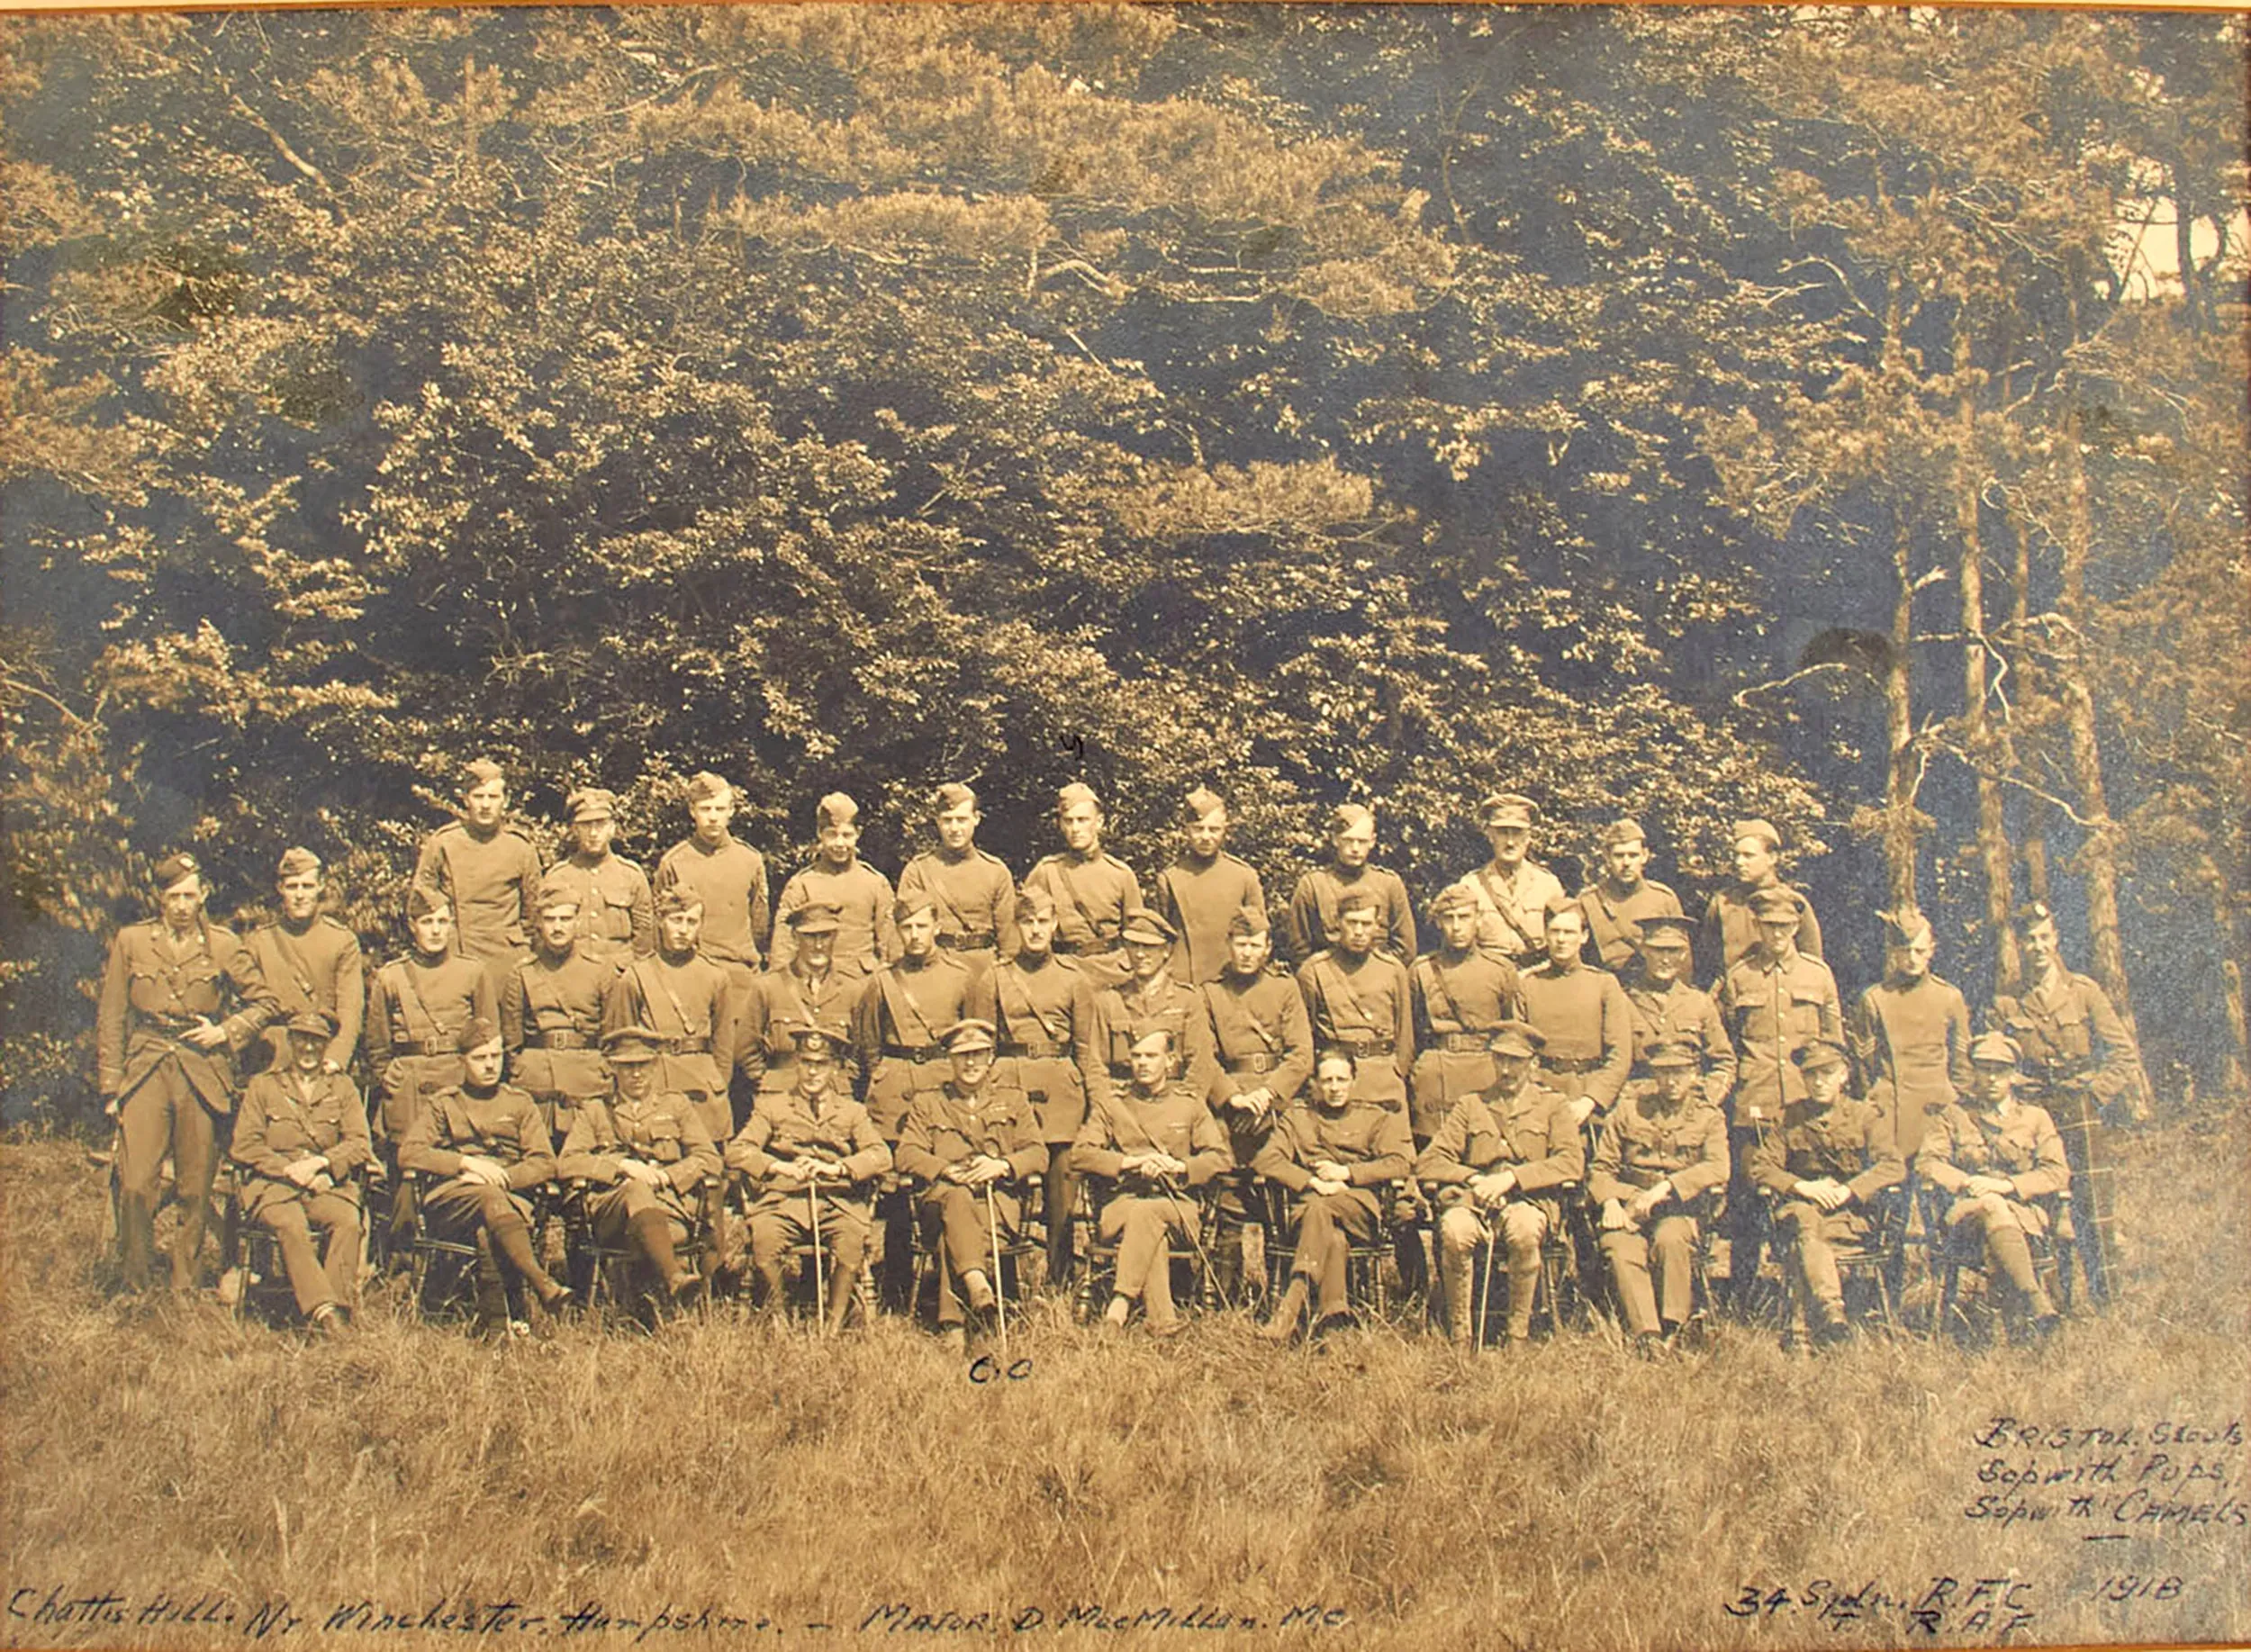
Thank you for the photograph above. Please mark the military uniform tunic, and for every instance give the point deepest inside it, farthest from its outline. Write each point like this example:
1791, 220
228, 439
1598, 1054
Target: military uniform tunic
1044, 1013
1682, 1014
315, 966
896, 1023
974, 895
617, 911
665, 1129
551, 1013
1772, 1009
1848, 1141
788, 1126
1615, 920
1910, 1048
686, 1003
1642, 1143
1092, 895
866, 938
943, 1126
1261, 1037
1366, 1006
1459, 1001
1513, 909
154, 988
1588, 1026
731, 882
1732, 932
502, 1125
1310, 925
1531, 1132
491, 879
416, 1010
1124, 1010
785, 998
284, 1118
1370, 1141
2021, 1145
1199, 902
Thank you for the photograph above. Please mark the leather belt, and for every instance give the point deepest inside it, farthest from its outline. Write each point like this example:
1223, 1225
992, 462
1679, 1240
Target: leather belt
1362, 1048
408, 1046
561, 1039
1254, 1063
915, 1053
1570, 1063
1038, 1049
1465, 1044
968, 940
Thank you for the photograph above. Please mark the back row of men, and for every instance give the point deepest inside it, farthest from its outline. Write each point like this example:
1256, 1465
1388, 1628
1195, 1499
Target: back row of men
1069, 967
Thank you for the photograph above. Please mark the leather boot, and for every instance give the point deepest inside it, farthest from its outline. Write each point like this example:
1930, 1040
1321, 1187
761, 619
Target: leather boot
843, 1278
512, 1239
1287, 1312
651, 1234
1459, 1272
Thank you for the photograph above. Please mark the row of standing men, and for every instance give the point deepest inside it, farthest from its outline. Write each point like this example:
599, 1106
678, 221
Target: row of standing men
1066, 968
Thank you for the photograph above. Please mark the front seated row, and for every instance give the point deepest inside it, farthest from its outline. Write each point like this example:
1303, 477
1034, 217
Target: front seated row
638, 1178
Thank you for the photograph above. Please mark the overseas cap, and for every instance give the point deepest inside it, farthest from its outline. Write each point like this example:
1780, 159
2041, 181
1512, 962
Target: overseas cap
1562, 905
1145, 928
1346, 817
296, 862
632, 1044
913, 905
480, 772
1143, 1031
1034, 900
1672, 1053
966, 1035
422, 901
1200, 802
1507, 808
476, 1033
835, 809
1816, 1053
315, 1023
2030, 913
590, 803
817, 917
176, 868
1517, 1038
678, 897
557, 893
1453, 897
1622, 832
1077, 791
704, 785
1903, 926
952, 795
1994, 1049
1247, 921
1765, 831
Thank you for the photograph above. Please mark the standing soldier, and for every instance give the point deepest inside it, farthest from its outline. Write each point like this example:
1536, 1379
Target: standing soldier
900, 1012
1461, 995
1263, 1040
1730, 923
1584, 1023
486, 867
1154, 1141
839, 878
644, 1156
1150, 997
417, 1006
1335, 1155
1513, 891
551, 1009
1824, 1165
731, 878
1311, 922
1357, 999
1500, 1161
484, 1141
1910, 1033
1204, 889
974, 893
1658, 1164
313, 962
180, 995
302, 1140
1667, 1010
682, 997
811, 992
1044, 1018
2081, 1068
973, 1146
617, 914
1619, 902
811, 1156
1998, 1158
1093, 891
1774, 1002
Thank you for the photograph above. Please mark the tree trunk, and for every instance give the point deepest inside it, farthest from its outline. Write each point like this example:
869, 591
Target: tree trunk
1978, 736
1904, 769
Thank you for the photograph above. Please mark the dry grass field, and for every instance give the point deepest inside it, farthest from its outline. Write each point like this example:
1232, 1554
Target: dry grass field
174, 1479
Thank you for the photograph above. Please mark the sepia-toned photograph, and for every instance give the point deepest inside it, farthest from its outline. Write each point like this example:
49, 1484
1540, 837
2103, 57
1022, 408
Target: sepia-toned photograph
1025, 825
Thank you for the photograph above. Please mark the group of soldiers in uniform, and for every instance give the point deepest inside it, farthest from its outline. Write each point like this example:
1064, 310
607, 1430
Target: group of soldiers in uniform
962, 1050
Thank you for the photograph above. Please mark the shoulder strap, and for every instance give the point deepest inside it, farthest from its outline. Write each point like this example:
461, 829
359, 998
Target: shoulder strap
1344, 985
536, 980
644, 971
420, 1024
296, 960
894, 996
1434, 983
1489, 884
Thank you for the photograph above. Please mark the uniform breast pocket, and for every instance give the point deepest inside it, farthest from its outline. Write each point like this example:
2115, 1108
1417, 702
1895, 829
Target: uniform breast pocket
617, 914
665, 1142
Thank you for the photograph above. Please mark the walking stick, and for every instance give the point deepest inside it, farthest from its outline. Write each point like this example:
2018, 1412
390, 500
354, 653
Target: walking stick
1484, 1292
820, 1269
999, 1294
1190, 1221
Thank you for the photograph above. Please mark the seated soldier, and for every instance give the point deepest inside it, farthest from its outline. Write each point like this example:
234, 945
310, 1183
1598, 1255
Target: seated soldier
971, 1144
1659, 1163
1153, 1139
1997, 1156
1824, 1165
488, 1143
645, 1154
302, 1136
1505, 1152
811, 1155
1335, 1154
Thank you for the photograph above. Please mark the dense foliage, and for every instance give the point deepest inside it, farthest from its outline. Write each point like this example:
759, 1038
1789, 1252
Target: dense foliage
1381, 404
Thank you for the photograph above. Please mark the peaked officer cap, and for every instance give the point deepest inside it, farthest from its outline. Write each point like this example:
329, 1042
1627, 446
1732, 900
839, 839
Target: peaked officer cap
1816, 1053
630, 1044
1672, 1053
316, 1023
1777, 904
1994, 1049
1666, 931
817, 917
1147, 928
1507, 808
812, 1039
967, 1035
1517, 1038
590, 803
